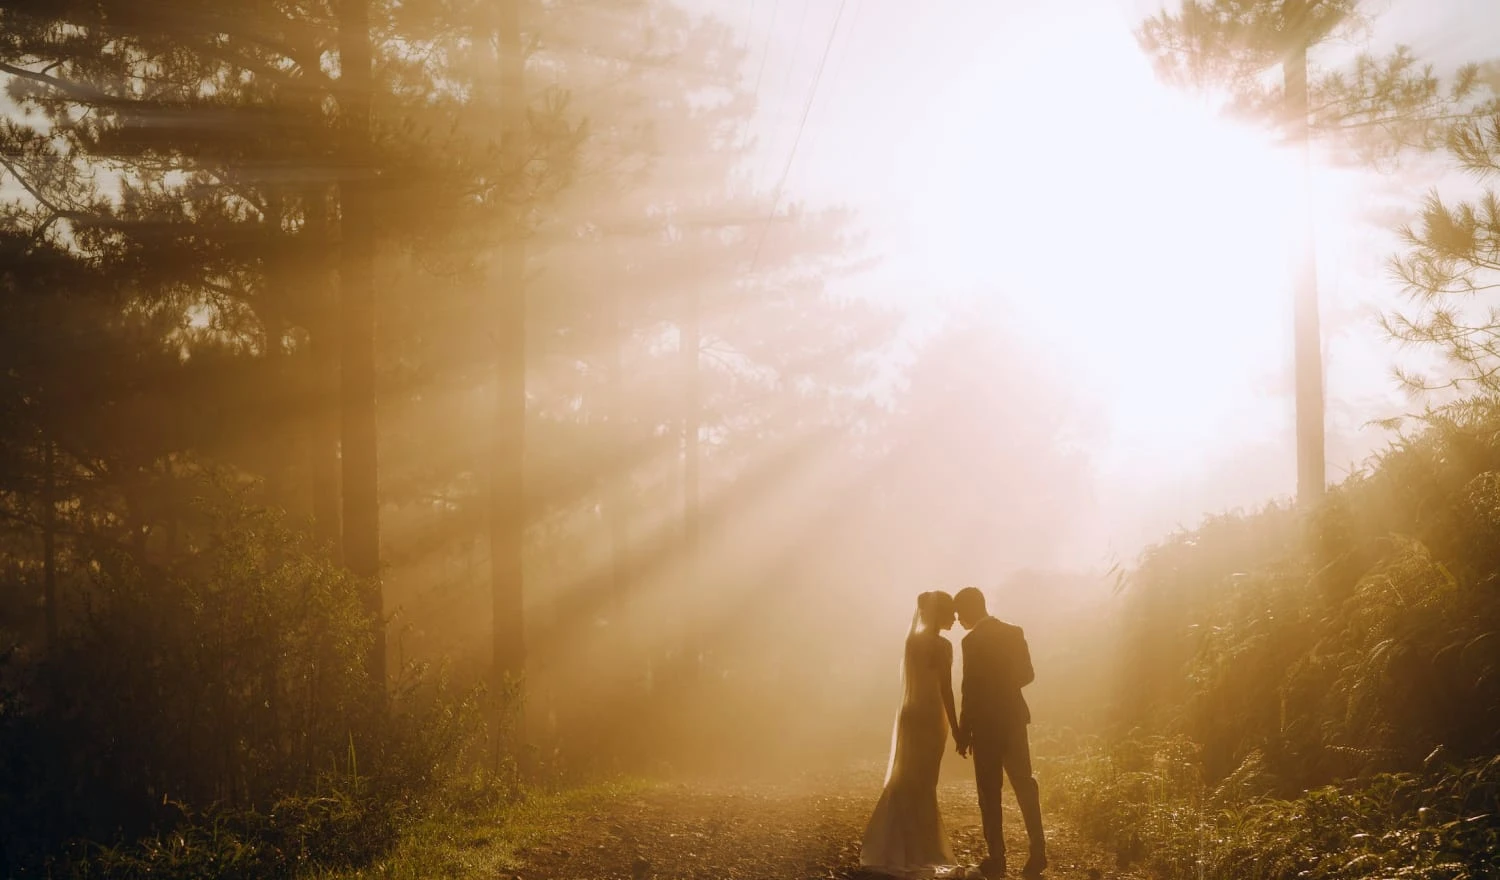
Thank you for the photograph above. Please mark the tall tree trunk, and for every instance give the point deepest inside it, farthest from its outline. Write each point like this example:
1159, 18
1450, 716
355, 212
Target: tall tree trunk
320, 426
322, 423
1307, 336
690, 343
507, 501
361, 510
280, 475
49, 539
617, 495
617, 479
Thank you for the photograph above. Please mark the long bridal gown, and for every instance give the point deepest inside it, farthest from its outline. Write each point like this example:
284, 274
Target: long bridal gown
905, 836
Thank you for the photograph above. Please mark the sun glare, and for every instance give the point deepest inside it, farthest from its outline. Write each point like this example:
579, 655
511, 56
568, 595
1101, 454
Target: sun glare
1129, 225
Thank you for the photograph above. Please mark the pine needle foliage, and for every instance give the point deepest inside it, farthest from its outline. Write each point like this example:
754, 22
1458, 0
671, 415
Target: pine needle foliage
1450, 270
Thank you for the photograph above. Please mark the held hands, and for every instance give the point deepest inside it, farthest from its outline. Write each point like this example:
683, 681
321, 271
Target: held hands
961, 740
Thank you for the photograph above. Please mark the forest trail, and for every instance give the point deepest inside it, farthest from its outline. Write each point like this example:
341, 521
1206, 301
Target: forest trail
740, 831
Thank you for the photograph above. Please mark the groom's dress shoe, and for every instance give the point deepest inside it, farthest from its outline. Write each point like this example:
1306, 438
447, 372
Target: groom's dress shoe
1035, 865
992, 868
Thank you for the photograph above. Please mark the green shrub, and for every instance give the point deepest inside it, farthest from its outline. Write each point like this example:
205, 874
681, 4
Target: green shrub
1145, 800
213, 714
1316, 695
1350, 641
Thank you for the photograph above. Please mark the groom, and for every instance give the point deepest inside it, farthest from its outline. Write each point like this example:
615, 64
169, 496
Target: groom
993, 719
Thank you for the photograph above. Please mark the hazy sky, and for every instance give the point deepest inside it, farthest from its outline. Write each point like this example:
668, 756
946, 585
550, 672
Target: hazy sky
1023, 153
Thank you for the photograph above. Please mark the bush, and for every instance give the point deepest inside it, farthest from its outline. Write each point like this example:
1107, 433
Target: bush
1349, 642
1144, 798
337, 825
216, 707
1317, 696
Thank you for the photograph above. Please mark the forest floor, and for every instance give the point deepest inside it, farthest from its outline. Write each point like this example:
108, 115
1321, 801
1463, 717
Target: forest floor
810, 828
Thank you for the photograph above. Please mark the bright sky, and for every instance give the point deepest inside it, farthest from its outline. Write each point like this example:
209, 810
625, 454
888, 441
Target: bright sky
1023, 153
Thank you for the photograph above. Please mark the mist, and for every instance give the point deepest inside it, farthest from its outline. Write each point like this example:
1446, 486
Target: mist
462, 439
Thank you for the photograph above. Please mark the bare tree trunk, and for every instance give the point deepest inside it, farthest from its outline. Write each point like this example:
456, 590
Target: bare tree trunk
1307, 336
323, 444
320, 427
49, 539
322, 424
617, 480
279, 481
507, 501
617, 489
361, 510
690, 343
634, 663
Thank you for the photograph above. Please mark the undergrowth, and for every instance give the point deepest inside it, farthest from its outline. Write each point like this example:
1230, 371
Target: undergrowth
1145, 799
1315, 694
477, 831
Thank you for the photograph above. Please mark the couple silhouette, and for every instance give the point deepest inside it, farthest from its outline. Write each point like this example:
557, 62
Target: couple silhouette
905, 835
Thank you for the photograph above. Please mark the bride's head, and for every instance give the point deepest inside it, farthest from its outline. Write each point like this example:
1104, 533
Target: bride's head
935, 610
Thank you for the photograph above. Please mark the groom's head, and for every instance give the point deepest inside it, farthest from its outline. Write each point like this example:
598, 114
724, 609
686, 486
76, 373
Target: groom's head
969, 603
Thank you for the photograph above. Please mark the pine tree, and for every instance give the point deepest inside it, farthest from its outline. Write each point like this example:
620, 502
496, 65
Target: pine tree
1368, 112
1451, 264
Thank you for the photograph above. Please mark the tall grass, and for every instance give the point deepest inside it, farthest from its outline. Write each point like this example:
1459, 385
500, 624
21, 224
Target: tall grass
1147, 801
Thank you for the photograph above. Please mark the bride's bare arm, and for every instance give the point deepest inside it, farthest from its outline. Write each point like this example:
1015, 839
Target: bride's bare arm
945, 682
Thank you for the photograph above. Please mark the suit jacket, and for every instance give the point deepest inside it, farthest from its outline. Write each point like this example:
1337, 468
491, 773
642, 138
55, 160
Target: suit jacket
997, 664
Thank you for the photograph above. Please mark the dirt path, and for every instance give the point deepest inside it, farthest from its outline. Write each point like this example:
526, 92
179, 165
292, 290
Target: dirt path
720, 831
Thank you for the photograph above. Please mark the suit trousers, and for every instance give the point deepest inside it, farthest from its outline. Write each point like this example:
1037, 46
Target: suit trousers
1007, 754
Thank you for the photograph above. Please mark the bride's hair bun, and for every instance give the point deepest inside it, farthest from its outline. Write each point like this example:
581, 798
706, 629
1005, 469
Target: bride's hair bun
934, 601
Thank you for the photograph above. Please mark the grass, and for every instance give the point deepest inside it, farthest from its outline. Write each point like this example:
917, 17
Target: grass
469, 840
1145, 800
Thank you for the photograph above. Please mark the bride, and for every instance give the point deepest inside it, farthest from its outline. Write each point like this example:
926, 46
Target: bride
905, 836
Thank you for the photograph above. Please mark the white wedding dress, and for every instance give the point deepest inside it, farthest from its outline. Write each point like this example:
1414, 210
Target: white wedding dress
905, 836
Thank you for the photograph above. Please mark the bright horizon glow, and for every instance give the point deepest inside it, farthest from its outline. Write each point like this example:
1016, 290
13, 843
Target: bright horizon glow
1122, 220
1028, 156
1147, 239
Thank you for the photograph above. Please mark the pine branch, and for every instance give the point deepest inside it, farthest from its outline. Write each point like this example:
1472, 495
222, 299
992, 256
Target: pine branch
74, 90
57, 212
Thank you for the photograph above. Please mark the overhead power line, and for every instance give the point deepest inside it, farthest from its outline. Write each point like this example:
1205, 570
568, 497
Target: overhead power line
797, 140
765, 51
791, 65
749, 28
837, 63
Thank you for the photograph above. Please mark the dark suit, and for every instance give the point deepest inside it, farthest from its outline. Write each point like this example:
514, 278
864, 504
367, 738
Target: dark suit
994, 715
